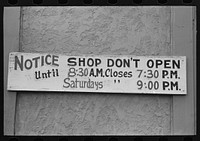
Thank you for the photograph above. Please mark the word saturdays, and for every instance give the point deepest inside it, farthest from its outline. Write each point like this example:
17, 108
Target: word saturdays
87, 73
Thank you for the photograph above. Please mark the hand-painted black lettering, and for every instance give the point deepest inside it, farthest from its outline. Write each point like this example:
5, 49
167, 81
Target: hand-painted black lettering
81, 61
150, 74
140, 84
130, 74
150, 63
97, 62
165, 85
90, 62
72, 72
176, 64
174, 73
19, 63
158, 63
167, 64
164, 73
71, 61
140, 72
46, 59
36, 61
67, 84
110, 62
54, 60
136, 62
28, 64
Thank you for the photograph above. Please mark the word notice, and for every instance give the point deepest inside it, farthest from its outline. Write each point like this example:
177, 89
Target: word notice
87, 73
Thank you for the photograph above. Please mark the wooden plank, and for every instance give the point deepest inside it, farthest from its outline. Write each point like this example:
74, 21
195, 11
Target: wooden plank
11, 43
124, 74
184, 38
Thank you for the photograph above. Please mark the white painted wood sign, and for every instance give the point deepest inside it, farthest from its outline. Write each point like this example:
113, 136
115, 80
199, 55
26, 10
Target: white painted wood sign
113, 74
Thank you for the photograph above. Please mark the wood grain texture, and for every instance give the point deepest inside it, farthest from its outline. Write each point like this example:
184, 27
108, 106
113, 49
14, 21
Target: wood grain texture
94, 30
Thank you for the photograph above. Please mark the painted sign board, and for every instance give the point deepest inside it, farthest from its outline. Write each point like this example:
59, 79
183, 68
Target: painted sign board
91, 73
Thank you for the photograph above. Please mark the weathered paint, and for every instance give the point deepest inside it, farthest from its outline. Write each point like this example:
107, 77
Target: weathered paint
99, 73
97, 31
